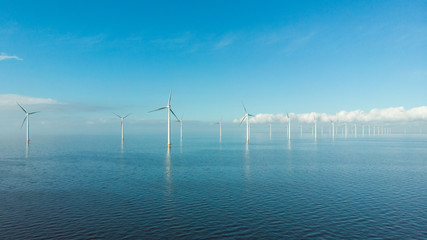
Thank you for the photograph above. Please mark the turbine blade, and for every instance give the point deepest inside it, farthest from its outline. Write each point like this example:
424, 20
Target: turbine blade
174, 114
117, 115
251, 115
158, 109
23, 121
170, 95
127, 115
243, 119
33, 112
22, 108
244, 108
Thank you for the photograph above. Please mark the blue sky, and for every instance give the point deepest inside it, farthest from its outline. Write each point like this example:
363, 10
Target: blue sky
275, 56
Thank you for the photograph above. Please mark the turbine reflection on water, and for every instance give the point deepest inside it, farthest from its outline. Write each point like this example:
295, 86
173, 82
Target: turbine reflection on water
168, 172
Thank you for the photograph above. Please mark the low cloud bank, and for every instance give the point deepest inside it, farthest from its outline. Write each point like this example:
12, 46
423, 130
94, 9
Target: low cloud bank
4, 56
393, 114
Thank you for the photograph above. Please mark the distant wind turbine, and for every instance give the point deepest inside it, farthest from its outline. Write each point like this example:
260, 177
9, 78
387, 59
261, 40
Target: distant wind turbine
181, 121
315, 128
169, 117
247, 115
289, 126
122, 119
27, 117
220, 129
333, 129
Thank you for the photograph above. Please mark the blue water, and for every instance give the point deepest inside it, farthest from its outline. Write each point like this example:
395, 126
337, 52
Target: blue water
92, 187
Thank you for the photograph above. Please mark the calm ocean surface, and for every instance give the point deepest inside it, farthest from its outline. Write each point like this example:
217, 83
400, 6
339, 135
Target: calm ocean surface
91, 187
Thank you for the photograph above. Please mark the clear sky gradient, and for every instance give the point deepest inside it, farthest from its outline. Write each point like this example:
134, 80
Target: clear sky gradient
275, 56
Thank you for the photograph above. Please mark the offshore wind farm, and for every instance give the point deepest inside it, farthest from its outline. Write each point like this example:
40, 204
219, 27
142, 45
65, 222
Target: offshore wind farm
298, 120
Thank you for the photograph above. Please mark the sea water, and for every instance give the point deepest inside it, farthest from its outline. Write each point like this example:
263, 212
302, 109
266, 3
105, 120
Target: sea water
95, 187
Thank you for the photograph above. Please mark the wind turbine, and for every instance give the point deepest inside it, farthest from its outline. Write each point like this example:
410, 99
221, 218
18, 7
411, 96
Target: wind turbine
169, 117
247, 115
333, 129
122, 118
27, 117
289, 126
270, 130
220, 129
180, 121
315, 128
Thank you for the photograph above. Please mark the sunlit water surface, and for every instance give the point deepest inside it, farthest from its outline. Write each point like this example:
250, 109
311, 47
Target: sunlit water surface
92, 187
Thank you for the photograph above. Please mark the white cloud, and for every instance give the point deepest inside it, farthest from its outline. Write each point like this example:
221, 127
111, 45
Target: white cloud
393, 114
12, 99
4, 56
225, 41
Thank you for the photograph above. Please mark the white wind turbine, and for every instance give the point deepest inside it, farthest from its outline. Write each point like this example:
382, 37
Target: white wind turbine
169, 109
27, 117
333, 129
247, 115
122, 119
181, 121
289, 126
315, 128
220, 129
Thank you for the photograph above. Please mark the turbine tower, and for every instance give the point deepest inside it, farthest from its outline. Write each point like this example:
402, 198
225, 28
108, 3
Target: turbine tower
27, 117
169, 117
315, 128
122, 118
247, 115
289, 126
220, 129
333, 129
181, 121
